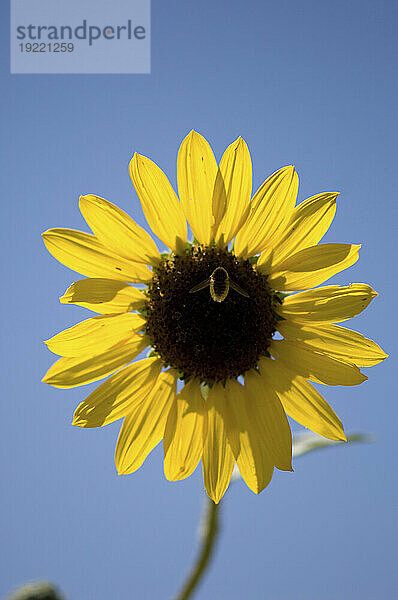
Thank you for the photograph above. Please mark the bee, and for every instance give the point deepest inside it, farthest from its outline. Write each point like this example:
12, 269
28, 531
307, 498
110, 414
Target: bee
219, 282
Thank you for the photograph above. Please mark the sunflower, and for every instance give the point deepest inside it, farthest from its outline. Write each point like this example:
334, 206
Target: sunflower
217, 313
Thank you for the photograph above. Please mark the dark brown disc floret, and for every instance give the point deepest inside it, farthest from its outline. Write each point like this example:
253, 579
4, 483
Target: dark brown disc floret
203, 338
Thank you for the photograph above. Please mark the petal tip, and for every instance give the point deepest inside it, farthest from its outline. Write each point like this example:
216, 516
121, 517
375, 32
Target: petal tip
241, 142
78, 422
84, 199
133, 161
139, 157
121, 470
215, 499
289, 171
192, 134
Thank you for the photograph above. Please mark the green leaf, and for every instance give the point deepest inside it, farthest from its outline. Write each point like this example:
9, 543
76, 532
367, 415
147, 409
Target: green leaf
304, 443
40, 590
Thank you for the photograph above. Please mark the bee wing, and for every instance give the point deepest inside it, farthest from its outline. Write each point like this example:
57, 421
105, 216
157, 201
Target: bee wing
200, 286
238, 289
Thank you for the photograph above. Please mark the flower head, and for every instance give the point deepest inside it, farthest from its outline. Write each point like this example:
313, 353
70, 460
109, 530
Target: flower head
218, 314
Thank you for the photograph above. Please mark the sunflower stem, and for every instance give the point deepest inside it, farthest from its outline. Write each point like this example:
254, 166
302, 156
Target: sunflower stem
210, 530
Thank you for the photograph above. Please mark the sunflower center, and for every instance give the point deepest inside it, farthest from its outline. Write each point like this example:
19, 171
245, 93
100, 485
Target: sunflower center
210, 314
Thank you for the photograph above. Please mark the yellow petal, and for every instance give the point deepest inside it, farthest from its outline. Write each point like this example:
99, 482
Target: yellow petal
96, 335
315, 366
312, 266
330, 304
218, 460
246, 436
308, 224
272, 418
116, 230
196, 174
232, 190
159, 202
271, 208
82, 252
71, 372
338, 342
185, 433
119, 395
144, 426
301, 401
104, 296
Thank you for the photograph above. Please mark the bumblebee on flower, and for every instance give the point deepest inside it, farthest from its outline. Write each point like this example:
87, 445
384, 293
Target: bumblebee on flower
246, 357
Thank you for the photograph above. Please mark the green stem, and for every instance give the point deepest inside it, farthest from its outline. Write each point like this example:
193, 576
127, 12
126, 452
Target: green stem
209, 536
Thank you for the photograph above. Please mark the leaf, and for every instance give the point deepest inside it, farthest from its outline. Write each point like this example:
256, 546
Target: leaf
304, 443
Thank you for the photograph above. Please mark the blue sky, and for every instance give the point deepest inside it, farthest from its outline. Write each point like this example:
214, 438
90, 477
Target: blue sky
306, 83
